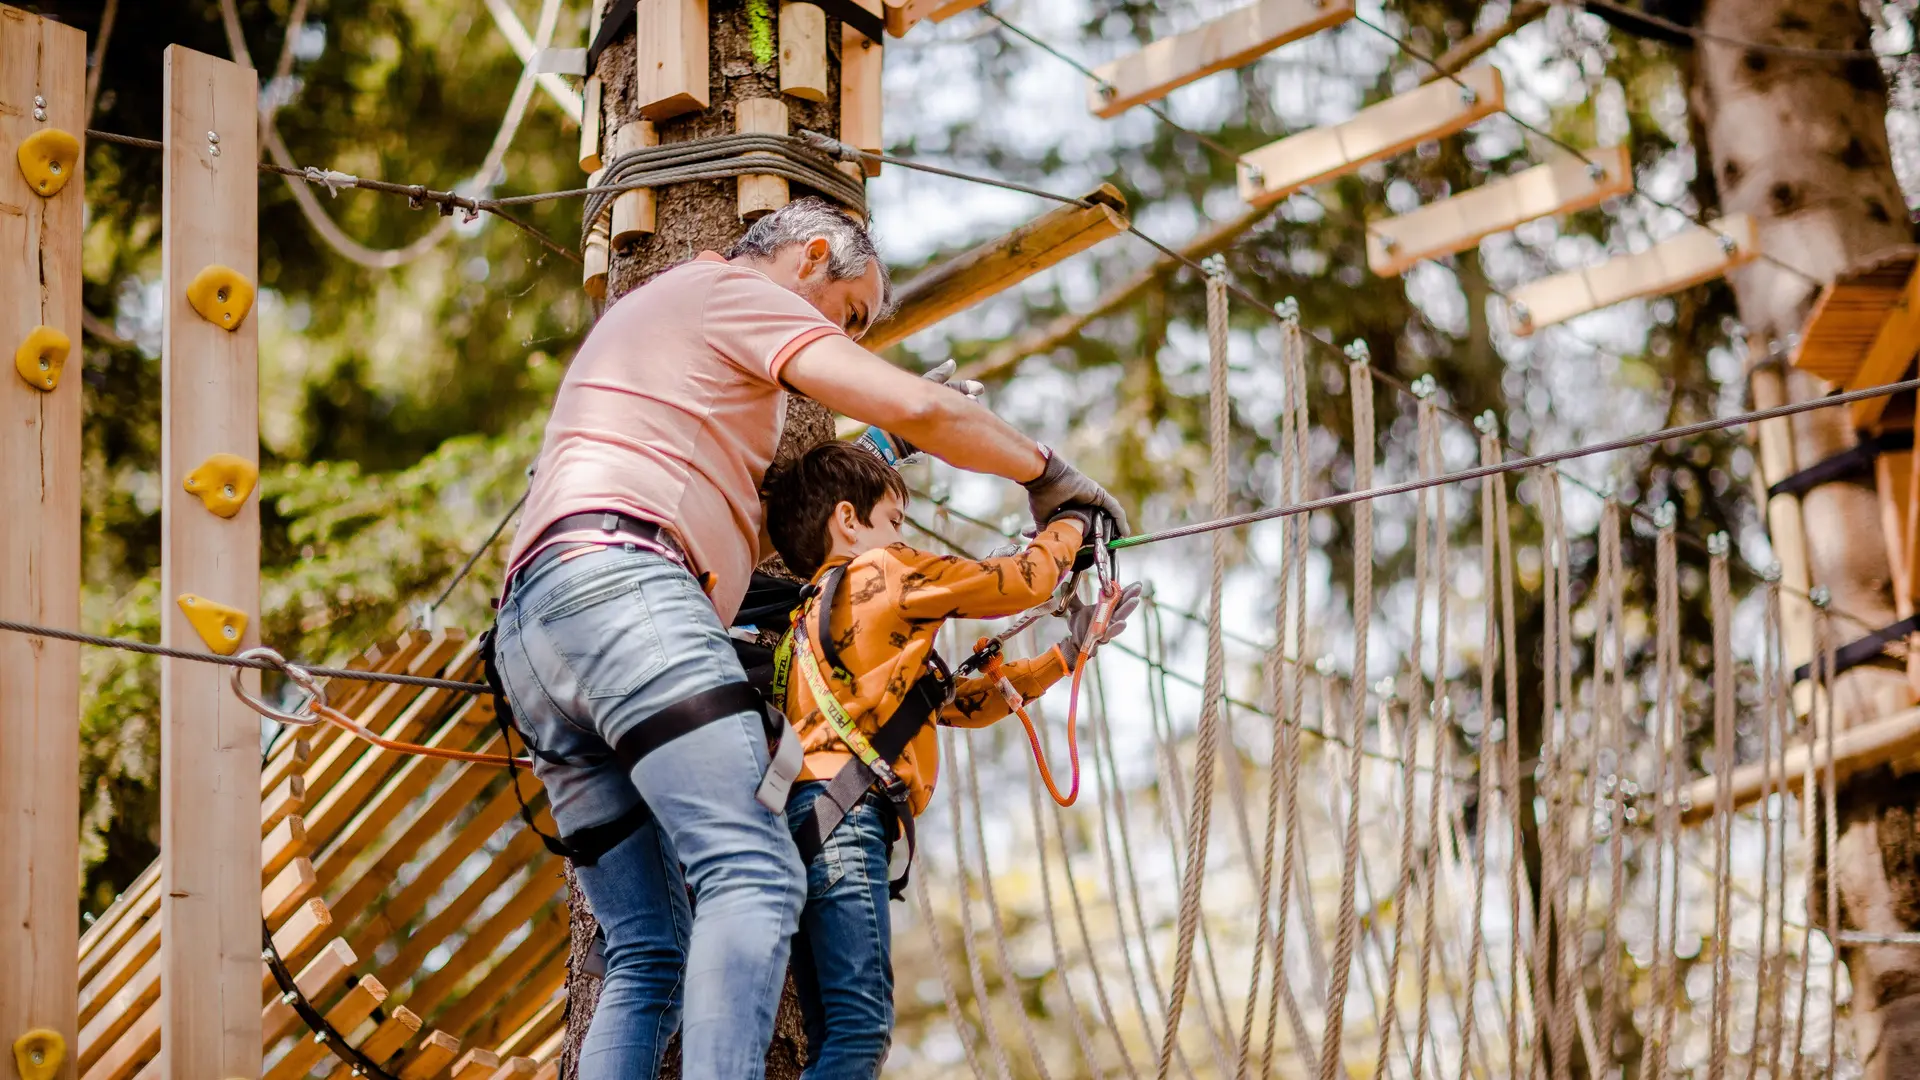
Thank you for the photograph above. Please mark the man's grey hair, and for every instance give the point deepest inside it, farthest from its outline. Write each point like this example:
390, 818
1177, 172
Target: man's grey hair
850, 247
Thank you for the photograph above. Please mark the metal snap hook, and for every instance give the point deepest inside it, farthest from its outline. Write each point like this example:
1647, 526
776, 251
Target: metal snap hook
299, 677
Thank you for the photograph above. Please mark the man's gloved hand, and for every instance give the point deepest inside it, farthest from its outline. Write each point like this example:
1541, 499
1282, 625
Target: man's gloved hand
1061, 487
1080, 628
896, 451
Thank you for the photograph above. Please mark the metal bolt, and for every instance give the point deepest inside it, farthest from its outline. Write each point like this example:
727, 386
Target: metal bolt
1521, 316
1256, 175
39, 108
54, 167
44, 365
1771, 574
267, 955
1717, 544
320, 1037
38, 1056
1596, 171
1214, 265
1728, 245
1385, 688
229, 632
1324, 665
289, 998
213, 143
1468, 95
1820, 595
1107, 91
228, 491
40, 115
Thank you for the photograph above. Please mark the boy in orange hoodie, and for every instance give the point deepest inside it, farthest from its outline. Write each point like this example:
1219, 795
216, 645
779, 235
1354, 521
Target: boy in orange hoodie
864, 688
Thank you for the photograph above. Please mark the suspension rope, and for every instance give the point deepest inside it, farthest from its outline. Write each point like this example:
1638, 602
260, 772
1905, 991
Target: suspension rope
1668, 731
719, 157
1433, 705
961, 1029
1724, 707
1611, 631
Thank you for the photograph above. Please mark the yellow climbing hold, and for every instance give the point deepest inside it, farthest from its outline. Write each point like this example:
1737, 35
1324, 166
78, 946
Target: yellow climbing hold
221, 296
38, 1054
48, 159
223, 483
220, 626
42, 357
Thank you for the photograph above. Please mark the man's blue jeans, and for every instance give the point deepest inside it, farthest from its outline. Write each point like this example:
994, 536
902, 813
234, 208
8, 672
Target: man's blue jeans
843, 955
587, 649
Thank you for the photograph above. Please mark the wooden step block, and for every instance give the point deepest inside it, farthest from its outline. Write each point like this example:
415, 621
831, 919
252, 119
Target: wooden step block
861, 111
289, 797
1232, 40
519, 1068
286, 891
1392, 127
431, 1058
527, 1038
348, 1013
476, 1064
1565, 186
903, 14
1700, 253
296, 940
542, 887
1845, 325
499, 990
286, 842
670, 69
393, 1032
325, 975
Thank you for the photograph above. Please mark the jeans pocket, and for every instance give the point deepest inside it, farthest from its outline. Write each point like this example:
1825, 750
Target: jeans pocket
601, 629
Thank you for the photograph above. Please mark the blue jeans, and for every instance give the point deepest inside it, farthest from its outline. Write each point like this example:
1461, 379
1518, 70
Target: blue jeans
843, 955
587, 649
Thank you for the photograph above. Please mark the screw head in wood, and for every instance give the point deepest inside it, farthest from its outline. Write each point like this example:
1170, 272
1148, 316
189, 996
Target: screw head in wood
1468, 95
1820, 595
1521, 316
1728, 244
1596, 171
39, 108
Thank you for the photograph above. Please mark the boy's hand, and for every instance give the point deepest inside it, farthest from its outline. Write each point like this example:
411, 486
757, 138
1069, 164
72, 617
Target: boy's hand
1080, 627
896, 451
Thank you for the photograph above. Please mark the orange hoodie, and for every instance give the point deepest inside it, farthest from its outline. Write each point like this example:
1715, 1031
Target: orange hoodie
892, 603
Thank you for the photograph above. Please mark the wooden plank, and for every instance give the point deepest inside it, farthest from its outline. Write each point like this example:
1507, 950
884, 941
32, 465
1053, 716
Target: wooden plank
1393, 126
1856, 750
394, 1031
134, 1049
1846, 319
596, 254
998, 265
428, 1060
510, 1026
476, 1064
348, 1013
298, 939
1912, 480
529, 1035
319, 980
125, 963
1232, 40
383, 714
861, 99
803, 50
451, 918
1564, 186
1700, 253
670, 66
758, 196
209, 739
289, 758
286, 891
412, 781
287, 798
542, 887
1889, 357
500, 987
285, 843
118, 1014
519, 1068
140, 902
1892, 474
902, 15
633, 211
40, 61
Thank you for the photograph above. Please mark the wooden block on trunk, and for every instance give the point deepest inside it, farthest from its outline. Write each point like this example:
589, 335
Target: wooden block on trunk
1700, 253
1393, 126
633, 211
1462, 221
670, 64
860, 91
590, 99
803, 50
1230, 41
596, 256
394, 1032
903, 14
518, 1068
760, 195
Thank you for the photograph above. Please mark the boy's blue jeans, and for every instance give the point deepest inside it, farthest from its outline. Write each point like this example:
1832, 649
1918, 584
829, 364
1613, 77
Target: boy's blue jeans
587, 649
843, 956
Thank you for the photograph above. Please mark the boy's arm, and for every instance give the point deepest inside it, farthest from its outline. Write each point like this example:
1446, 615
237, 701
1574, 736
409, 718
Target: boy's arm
948, 587
977, 701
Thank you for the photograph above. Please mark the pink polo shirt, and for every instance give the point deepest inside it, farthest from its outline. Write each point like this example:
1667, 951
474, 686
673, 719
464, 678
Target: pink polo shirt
671, 412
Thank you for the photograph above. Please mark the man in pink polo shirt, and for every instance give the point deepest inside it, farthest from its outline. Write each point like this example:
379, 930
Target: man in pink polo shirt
639, 537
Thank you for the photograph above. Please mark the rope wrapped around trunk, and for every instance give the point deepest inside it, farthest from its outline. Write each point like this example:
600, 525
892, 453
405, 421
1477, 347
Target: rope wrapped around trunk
718, 158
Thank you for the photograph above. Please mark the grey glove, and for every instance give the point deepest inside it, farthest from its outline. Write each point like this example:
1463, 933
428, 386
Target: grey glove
1080, 626
896, 451
1061, 486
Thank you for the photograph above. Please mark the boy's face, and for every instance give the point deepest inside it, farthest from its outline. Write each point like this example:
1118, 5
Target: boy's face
852, 538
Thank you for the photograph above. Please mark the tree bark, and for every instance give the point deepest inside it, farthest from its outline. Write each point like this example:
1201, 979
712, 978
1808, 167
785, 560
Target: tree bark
693, 218
1801, 144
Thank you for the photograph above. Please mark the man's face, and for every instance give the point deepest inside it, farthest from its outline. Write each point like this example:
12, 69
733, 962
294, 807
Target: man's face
851, 303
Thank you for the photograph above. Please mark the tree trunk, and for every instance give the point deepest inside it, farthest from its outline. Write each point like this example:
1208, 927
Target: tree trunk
1801, 144
692, 218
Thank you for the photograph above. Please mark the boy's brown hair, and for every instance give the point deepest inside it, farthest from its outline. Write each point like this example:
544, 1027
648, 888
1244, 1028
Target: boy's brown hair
801, 498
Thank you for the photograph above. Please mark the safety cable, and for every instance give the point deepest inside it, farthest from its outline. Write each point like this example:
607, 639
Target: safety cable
485, 546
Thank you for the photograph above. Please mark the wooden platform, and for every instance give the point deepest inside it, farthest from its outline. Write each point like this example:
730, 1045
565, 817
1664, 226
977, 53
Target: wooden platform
416, 910
1865, 329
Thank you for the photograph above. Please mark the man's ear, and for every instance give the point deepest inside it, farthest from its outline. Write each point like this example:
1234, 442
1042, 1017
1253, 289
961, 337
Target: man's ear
815, 253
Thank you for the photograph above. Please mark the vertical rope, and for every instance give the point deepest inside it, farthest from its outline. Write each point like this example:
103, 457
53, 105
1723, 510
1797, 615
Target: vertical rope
1360, 385
1547, 775
1489, 760
1830, 813
955, 1015
1567, 980
1723, 737
975, 970
1809, 802
1208, 739
1510, 776
1007, 979
1612, 696
1665, 719
1438, 724
1773, 820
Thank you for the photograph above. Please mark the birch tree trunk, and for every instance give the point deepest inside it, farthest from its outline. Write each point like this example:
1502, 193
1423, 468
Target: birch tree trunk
692, 218
1801, 144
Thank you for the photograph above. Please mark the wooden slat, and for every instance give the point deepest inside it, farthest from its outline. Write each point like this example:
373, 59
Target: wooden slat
475, 1064
384, 1041
519, 1068
1563, 186
511, 1026
633, 211
125, 964
1856, 749
134, 1049
428, 1060
1393, 126
288, 797
412, 781
348, 1013
1893, 479
499, 987
670, 70
549, 1050
541, 888
289, 758
903, 14
1230, 41
550, 1070
140, 902
323, 977
286, 842
39, 538
1846, 319
116, 1015
1889, 357
1698, 254
449, 919
286, 891
590, 100
383, 714
998, 265
861, 111
528, 1036
298, 939
209, 739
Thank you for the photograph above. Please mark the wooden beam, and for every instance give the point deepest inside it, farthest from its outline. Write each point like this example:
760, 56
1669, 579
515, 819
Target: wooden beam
998, 265
1393, 126
394, 1032
1230, 41
803, 50
364, 996
114, 1017
101, 938
475, 1064
1564, 186
450, 918
541, 888
1856, 749
670, 66
319, 980
434, 1054
527, 1038
861, 98
1700, 253
514, 1019
298, 939
496, 990
1786, 526
903, 14
43, 75
126, 963
209, 740
758, 196
1890, 356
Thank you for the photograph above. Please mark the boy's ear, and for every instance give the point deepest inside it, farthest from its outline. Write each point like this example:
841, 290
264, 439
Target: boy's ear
844, 520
